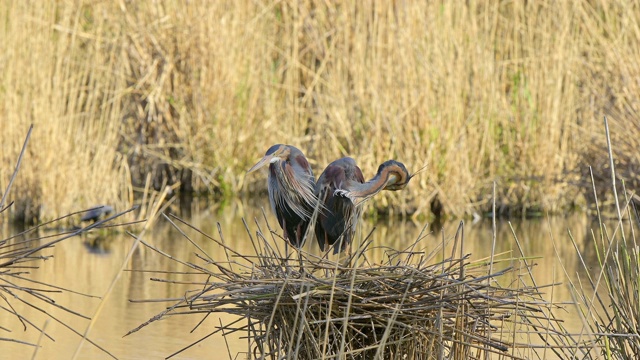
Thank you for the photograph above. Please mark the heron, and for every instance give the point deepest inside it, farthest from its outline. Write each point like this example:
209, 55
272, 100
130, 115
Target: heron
341, 190
291, 187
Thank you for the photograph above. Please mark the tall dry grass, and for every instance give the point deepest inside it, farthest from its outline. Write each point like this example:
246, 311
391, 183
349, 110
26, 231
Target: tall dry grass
609, 292
125, 94
60, 77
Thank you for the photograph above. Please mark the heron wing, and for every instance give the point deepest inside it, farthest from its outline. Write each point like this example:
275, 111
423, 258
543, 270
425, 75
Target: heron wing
331, 221
300, 196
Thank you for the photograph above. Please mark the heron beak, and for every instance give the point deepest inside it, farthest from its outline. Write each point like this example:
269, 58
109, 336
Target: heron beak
264, 161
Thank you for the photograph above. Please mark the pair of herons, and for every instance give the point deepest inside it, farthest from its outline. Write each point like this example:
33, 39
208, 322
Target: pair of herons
340, 190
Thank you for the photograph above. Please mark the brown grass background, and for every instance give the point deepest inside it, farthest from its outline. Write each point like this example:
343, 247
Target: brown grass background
130, 95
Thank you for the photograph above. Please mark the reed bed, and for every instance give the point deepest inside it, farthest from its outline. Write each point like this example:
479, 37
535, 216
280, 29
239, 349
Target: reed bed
417, 303
128, 95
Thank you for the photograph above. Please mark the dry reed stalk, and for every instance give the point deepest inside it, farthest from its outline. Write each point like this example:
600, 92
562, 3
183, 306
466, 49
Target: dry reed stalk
21, 253
305, 306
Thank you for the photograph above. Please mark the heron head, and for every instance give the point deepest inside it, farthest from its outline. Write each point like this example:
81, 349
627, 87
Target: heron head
399, 176
275, 153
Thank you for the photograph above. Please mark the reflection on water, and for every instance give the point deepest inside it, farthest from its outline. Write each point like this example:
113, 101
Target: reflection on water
89, 264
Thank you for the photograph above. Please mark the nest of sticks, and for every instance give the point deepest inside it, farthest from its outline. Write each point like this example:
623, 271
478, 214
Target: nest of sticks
292, 304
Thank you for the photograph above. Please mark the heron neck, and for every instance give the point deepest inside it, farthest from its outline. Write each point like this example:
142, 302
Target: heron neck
373, 186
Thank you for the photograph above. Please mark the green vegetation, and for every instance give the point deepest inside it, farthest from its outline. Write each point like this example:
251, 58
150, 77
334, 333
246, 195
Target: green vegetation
127, 96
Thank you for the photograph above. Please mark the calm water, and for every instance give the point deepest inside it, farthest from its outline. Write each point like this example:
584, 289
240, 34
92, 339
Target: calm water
90, 264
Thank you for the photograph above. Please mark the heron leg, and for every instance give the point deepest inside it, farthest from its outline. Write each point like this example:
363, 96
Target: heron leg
299, 235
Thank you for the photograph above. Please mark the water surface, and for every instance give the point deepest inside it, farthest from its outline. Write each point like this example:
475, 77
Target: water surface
89, 264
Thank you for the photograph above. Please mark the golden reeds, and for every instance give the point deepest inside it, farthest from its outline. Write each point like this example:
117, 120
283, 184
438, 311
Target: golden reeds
190, 94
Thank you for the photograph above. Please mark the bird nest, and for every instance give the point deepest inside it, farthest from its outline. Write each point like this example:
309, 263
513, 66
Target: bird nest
409, 306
